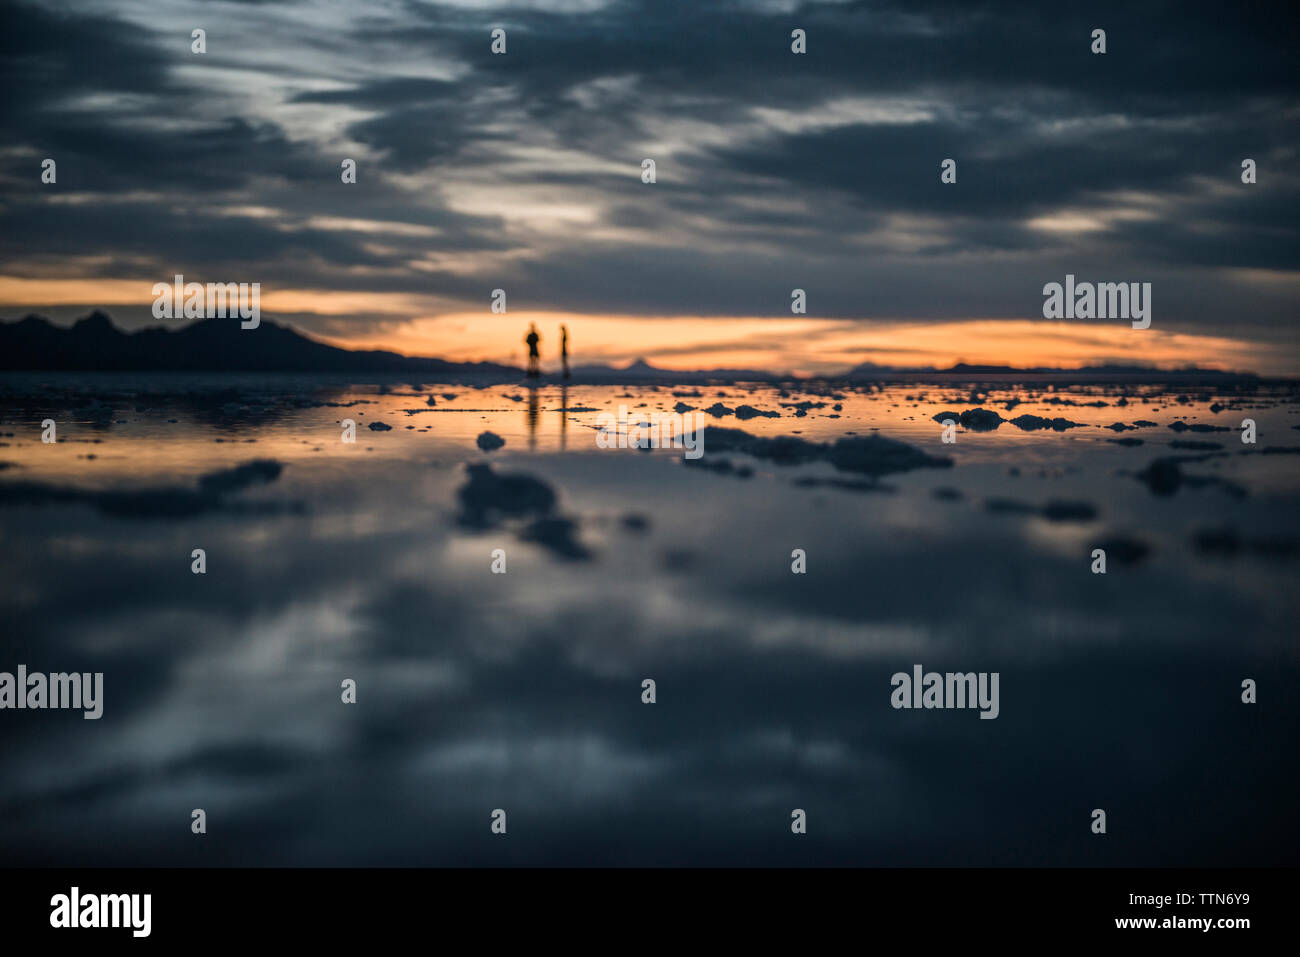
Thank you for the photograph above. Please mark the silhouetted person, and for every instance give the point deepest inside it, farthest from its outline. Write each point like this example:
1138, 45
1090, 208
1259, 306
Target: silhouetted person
534, 356
564, 349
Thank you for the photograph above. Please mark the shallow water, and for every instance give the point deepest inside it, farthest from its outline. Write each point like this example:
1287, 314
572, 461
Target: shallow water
522, 691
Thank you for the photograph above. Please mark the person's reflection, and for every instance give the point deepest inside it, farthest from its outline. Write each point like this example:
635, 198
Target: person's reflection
564, 415
532, 419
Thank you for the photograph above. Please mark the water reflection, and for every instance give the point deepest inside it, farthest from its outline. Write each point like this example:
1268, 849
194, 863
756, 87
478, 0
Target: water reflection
564, 416
523, 691
532, 419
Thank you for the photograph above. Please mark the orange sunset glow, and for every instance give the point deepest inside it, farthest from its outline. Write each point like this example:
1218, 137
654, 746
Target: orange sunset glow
815, 346
802, 345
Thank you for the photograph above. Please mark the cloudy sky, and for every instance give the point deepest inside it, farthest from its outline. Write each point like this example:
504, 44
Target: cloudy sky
775, 171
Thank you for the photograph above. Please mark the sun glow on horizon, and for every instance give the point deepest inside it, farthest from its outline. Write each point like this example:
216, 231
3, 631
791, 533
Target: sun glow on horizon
812, 346
793, 344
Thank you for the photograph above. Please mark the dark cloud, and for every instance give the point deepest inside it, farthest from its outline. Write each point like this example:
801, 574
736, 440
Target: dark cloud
774, 169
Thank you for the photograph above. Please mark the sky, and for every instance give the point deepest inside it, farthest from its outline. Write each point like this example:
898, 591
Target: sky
774, 171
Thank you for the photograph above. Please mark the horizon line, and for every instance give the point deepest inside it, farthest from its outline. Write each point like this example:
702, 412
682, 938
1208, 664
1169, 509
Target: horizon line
866, 365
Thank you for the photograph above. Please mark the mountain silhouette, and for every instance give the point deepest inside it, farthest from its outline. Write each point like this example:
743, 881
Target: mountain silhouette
209, 345
94, 343
1085, 374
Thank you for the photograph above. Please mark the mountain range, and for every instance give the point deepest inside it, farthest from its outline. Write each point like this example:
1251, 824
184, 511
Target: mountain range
95, 344
208, 345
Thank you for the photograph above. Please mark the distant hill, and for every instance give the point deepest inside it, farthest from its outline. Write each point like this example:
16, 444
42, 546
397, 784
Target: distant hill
35, 344
209, 345
1086, 374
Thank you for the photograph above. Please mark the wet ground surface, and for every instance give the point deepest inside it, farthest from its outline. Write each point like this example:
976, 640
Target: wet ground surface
373, 561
